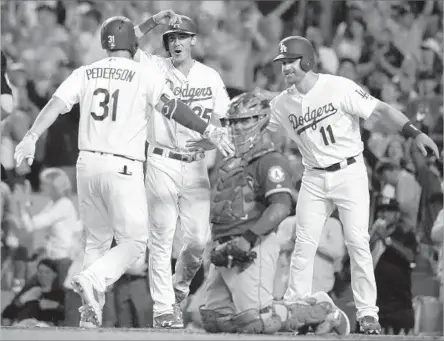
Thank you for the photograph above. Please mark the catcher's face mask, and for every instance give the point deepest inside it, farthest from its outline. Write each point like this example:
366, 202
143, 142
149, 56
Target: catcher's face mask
247, 119
244, 132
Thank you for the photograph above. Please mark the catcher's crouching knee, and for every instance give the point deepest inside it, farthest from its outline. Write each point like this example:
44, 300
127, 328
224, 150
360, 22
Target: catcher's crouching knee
216, 322
253, 321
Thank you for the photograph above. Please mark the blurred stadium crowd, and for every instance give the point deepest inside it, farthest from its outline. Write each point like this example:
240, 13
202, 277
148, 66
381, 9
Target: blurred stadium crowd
394, 49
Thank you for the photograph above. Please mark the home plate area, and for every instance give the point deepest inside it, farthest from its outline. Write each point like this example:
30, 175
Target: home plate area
12, 333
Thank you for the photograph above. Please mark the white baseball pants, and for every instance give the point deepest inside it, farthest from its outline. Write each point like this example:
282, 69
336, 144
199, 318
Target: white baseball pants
175, 190
112, 203
320, 192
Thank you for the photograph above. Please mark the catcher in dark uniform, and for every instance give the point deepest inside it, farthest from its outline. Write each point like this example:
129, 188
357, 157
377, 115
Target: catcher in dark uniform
251, 196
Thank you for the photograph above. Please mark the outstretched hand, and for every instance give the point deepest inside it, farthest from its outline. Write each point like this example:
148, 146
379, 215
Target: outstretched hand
219, 137
199, 145
167, 17
423, 142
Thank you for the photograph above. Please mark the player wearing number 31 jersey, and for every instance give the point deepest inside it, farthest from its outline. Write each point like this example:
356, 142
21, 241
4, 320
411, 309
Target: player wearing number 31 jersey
117, 97
321, 113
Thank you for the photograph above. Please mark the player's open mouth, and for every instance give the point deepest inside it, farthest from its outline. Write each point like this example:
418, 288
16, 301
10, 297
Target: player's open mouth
177, 50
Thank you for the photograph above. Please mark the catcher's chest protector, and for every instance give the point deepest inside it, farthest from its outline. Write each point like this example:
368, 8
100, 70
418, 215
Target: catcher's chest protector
233, 196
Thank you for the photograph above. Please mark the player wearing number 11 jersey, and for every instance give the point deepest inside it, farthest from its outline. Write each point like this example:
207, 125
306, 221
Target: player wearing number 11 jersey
321, 113
117, 97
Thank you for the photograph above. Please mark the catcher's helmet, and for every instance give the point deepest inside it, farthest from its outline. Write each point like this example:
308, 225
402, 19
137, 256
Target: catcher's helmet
295, 47
247, 105
187, 27
117, 33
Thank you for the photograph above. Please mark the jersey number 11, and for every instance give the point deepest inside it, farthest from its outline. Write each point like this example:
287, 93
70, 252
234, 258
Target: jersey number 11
104, 104
330, 138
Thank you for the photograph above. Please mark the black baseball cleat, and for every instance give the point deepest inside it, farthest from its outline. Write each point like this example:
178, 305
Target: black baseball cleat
369, 325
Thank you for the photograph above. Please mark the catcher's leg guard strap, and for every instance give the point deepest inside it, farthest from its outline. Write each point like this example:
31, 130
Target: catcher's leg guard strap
253, 321
216, 322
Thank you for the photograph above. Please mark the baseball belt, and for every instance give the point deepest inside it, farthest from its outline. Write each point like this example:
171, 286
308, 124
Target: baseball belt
337, 166
177, 156
116, 155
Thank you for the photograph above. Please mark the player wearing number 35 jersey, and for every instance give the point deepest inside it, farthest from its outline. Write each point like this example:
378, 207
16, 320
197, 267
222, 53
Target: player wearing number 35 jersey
180, 166
117, 97
321, 113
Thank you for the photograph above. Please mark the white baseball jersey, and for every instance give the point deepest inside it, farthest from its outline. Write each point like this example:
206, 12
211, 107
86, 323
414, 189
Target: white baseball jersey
202, 90
324, 123
117, 96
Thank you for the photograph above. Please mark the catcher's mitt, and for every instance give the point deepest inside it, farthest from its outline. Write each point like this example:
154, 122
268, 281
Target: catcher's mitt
236, 252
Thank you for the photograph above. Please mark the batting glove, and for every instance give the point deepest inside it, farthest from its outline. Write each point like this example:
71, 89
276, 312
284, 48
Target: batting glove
26, 149
219, 137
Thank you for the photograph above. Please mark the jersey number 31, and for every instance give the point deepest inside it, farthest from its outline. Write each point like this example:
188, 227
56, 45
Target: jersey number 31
104, 104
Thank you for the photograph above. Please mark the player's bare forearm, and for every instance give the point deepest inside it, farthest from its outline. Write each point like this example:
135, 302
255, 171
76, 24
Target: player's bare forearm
280, 207
387, 112
48, 115
145, 27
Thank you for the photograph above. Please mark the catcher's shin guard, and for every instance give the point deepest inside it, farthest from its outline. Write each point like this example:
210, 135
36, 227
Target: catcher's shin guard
216, 322
300, 314
253, 321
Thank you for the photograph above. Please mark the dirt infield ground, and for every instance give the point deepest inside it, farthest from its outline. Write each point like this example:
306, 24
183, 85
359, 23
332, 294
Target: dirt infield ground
156, 334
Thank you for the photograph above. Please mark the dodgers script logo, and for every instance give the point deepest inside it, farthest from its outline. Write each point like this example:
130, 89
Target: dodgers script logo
189, 94
312, 117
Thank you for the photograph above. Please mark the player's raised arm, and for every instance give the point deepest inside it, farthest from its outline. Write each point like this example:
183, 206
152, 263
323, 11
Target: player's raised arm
167, 17
173, 108
359, 102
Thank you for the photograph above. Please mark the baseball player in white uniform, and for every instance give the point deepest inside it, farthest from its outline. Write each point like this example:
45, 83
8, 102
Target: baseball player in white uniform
117, 96
176, 159
321, 113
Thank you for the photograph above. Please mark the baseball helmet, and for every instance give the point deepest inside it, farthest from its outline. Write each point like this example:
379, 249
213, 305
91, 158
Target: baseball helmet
187, 27
296, 47
247, 105
117, 33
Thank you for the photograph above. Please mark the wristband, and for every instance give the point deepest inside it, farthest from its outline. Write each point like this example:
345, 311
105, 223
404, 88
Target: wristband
409, 130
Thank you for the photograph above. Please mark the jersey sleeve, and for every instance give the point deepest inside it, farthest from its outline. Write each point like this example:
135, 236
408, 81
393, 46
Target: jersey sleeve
275, 119
221, 98
274, 174
357, 101
158, 90
69, 91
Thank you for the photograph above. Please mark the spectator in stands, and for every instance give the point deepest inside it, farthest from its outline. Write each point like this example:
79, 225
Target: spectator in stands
349, 38
326, 57
429, 176
60, 216
427, 108
61, 142
347, 69
394, 249
41, 299
407, 191
407, 28
89, 49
